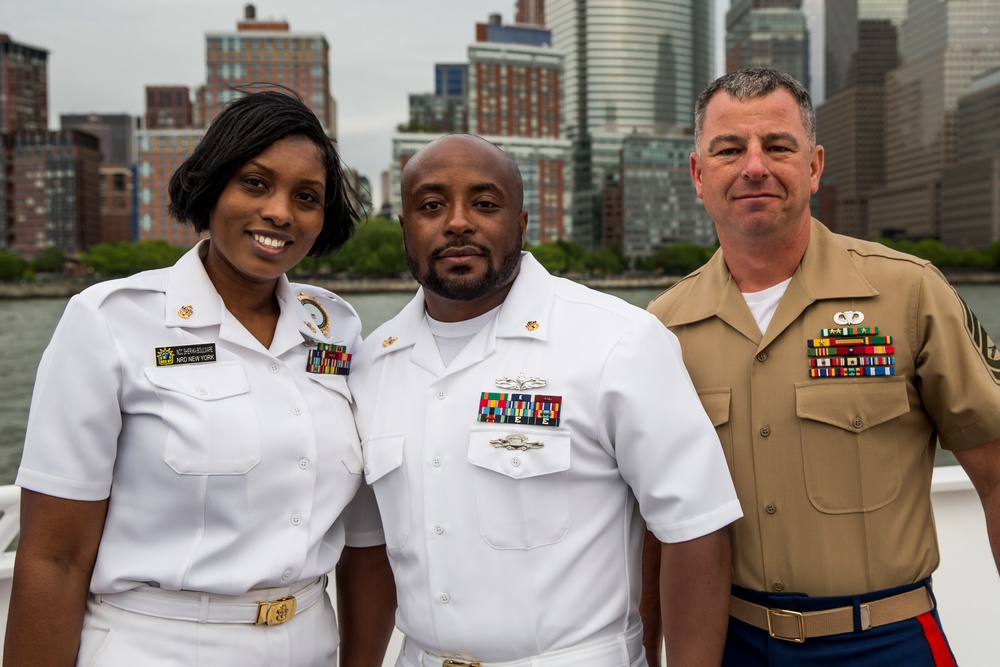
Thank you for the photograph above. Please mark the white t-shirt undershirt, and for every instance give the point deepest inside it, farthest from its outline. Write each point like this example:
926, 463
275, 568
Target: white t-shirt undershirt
452, 337
762, 304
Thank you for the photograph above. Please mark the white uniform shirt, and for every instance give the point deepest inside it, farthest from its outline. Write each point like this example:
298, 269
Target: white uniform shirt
224, 475
502, 554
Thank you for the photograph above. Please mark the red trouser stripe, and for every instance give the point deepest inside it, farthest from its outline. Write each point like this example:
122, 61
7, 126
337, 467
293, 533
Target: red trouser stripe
939, 647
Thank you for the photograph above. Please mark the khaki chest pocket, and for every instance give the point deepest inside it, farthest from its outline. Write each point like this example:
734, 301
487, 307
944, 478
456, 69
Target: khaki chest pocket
850, 443
210, 419
521, 494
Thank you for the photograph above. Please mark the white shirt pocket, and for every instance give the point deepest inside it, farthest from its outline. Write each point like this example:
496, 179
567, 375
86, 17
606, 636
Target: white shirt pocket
211, 424
385, 473
521, 478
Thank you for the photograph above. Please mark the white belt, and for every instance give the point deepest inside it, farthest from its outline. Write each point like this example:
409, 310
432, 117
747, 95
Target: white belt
265, 606
621, 649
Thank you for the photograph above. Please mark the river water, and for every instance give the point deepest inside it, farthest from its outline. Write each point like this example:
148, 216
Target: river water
26, 325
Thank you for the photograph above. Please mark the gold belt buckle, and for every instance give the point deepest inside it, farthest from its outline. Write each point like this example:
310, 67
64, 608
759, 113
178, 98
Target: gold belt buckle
789, 614
275, 612
459, 663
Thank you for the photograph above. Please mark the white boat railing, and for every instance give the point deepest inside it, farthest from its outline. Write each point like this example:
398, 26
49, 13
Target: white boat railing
966, 584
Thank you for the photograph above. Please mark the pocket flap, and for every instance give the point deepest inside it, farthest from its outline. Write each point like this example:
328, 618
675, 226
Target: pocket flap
337, 383
852, 406
206, 382
716, 404
487, 450
382, 455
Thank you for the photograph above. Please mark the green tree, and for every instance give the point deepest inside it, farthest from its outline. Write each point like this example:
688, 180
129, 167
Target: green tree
549, 255
51, 260
680, 258
124, 258
375, 250
11, 266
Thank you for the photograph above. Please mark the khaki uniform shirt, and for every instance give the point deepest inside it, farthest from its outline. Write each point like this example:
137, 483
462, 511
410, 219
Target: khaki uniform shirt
834, 474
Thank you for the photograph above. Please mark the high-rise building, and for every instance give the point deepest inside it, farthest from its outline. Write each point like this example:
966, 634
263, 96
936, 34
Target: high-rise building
530, 12
943, 45
115, 132
768, 33
117, 203
159, 153
24, 91
168, 108
267, 52
444, 110
631, 66
861, 48
514, 90
55, 192
970, 189
660, 206
849, 49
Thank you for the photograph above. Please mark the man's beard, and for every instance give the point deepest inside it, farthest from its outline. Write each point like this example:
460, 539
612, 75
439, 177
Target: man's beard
460, 288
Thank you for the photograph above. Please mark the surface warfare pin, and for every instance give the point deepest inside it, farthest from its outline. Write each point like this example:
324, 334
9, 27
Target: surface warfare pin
185, 354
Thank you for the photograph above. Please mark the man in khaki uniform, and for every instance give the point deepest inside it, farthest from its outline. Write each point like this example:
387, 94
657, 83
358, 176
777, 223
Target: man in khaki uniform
830, 367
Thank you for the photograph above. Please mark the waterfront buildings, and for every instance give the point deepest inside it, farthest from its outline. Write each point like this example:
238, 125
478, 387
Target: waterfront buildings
446, 109
168, 108
159, 153
970, 189
267, 50
862, 44
943, 46
630, 67
768, 33
530, 12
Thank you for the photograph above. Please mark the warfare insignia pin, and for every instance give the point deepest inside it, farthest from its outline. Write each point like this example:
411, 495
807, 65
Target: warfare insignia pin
521, 382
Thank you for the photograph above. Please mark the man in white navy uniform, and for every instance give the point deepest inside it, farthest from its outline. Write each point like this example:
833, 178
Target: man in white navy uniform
514, 426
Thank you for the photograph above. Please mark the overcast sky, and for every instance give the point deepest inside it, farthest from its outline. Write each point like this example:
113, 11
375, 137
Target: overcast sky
102, 53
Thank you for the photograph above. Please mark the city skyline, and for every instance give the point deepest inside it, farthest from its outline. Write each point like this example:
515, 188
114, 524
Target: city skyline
103, 55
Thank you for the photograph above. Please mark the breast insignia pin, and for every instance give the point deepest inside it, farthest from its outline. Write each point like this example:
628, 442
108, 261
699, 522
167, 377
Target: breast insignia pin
517, 441
185, 312
521, 382
849, 317
317, 312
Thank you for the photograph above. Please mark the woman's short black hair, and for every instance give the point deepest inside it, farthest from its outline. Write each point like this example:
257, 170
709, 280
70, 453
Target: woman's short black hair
244, 129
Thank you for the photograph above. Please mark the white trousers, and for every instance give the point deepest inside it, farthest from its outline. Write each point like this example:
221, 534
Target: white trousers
114, 637
623, 650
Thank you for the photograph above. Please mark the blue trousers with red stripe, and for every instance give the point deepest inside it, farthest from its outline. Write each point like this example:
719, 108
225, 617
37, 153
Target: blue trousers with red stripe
916, 642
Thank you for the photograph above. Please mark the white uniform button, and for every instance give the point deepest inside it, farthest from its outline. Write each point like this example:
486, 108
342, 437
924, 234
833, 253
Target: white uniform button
286, 575
303, 463
445, 598
436, 461
438, 528
516, 461
296, 519
202, 391
441, 395
296, 410
274, 368
367, 470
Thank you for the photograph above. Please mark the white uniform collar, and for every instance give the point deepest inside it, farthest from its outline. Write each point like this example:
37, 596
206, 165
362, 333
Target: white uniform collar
192, 301
525, 313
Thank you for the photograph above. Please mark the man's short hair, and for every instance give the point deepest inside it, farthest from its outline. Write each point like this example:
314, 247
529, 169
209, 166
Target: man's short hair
751, 83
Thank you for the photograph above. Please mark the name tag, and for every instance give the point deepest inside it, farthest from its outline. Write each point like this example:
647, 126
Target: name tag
185, 354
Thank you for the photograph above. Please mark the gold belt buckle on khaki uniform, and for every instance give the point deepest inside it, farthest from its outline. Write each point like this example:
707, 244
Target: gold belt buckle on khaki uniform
458, 663
797, 626
275, 612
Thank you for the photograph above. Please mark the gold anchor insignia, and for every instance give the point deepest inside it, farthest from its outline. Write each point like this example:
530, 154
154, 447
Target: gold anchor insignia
389, 341
849, 317
185, 312
521, 382
316, 311
531, 326
517, 441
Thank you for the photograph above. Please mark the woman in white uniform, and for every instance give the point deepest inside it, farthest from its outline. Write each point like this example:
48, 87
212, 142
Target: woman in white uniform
190, 444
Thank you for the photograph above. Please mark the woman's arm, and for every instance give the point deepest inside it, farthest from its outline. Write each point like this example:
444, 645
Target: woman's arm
55, 559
